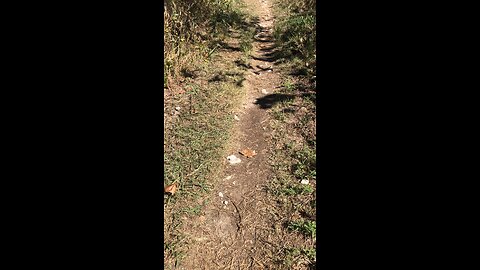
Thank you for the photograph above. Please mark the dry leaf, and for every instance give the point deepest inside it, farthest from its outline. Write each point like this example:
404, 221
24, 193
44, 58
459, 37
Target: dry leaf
171, 188
248, 152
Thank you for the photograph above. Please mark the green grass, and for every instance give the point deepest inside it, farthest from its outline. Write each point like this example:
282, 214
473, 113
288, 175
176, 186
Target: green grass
293, 255
307, 228
295, 33
292, 161
294, 139
246, 44
288, 85
291, 190
195, 146
305, 163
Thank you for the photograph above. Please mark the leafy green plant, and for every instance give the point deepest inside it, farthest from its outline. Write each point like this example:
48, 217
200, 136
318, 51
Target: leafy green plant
289, 85
307, 228
297, 190
193, 210
305, 165
293, 253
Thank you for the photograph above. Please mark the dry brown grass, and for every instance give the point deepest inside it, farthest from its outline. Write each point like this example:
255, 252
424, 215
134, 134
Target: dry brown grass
190, 31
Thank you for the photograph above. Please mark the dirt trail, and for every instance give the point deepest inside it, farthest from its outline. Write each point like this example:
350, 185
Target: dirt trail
232, 231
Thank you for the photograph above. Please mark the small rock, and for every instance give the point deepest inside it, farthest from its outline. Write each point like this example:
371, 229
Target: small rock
177, 108
233, 159
304, 182
264, 91
233, 182
225, 202
228, 177
236, 118
220, 194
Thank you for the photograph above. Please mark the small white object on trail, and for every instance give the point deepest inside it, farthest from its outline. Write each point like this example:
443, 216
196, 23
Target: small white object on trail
177, 108
228, 177
236, 118
225, 202
220, 194
233, 159
264, 91
304, 181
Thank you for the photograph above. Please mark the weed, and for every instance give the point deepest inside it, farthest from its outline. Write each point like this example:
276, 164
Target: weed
278, 115
305, 165
297, 190
308, 228
289, 85
246, 44
294, 254
295, 33
193, 210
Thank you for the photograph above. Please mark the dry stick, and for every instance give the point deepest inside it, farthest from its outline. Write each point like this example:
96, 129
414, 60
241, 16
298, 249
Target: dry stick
259, 263
216, 256
190, 174
239, 216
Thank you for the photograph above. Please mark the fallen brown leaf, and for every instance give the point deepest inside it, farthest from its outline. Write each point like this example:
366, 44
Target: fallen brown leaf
248, 152
171, 188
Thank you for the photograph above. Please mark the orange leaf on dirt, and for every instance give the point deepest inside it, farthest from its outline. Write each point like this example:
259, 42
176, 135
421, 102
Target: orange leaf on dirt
248, 152
171, 188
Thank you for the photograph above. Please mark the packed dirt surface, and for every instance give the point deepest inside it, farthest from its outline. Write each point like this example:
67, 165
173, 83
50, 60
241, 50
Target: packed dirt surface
232, 232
